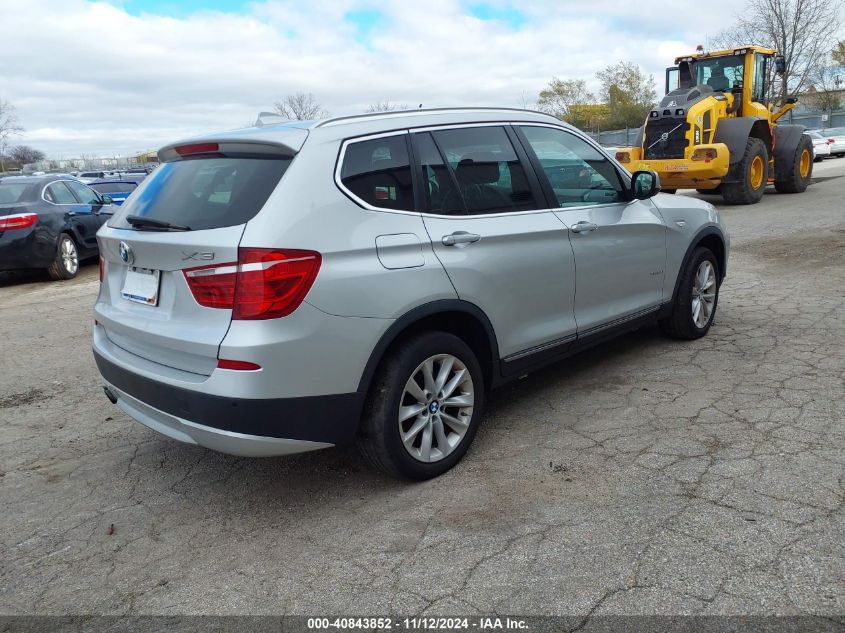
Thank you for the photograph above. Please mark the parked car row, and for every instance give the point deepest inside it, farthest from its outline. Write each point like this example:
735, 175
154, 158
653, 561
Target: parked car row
828, 142
444, 252
49, 222
136, 174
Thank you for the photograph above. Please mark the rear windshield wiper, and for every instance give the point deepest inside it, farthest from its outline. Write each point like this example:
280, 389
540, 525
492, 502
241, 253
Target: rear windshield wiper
141, 222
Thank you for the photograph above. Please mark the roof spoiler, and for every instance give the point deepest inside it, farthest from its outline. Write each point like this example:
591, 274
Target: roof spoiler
283, 146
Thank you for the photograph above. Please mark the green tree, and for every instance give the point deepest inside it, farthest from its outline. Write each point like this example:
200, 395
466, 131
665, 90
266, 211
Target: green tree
838, 53
559, 97
628, 92
589, 116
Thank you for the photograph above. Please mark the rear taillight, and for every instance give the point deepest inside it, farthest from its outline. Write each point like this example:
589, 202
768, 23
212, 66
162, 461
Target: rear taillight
197, 148
17, 221
213, 286
263, 284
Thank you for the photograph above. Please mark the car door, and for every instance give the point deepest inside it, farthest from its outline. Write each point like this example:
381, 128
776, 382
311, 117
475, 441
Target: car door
77, 215
503, 250
93, 213
619, 243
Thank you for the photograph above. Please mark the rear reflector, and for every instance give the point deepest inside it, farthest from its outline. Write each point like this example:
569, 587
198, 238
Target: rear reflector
17, 221
196, 148
263, 284
237, 365
102, 268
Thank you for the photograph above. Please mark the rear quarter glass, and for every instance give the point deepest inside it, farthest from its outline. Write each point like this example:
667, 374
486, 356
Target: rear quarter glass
205, 193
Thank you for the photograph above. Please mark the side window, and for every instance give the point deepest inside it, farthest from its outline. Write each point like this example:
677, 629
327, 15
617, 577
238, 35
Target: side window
378, 171
439, 184
86, 195
57, 193
488, 172
578, 173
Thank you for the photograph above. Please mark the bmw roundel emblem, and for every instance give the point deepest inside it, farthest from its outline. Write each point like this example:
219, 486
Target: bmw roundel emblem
126, 254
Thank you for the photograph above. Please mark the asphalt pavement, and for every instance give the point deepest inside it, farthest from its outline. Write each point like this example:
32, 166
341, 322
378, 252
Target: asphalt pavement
646, 476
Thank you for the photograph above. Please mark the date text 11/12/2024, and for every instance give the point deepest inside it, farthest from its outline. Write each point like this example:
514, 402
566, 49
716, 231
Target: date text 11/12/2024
418, 623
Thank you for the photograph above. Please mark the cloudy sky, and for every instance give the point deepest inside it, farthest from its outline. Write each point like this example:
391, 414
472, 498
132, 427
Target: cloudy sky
117, 77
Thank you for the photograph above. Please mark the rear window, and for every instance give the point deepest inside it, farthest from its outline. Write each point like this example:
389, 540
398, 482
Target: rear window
205, 193
12, 192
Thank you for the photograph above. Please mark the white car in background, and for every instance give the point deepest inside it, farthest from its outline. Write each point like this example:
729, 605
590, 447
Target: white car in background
836, 136
821, 146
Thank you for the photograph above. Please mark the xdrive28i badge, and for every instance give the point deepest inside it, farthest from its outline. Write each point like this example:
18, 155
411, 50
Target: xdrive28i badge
126, 254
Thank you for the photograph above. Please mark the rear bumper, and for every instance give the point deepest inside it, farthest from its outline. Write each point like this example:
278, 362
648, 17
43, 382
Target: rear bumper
24, 248
239, 426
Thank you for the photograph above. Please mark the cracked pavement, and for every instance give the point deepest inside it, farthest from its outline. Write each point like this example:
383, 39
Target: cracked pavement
646, 476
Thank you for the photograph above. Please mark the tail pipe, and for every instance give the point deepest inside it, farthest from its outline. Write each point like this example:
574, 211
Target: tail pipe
110, 394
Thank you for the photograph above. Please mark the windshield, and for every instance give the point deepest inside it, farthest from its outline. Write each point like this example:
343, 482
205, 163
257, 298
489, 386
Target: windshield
204, 193
720, 73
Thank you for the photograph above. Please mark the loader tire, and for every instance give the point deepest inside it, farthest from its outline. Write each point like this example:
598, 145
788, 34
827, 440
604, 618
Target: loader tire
800, 172
751, 175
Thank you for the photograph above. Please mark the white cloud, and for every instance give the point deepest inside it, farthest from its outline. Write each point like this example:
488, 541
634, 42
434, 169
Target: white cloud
89, 77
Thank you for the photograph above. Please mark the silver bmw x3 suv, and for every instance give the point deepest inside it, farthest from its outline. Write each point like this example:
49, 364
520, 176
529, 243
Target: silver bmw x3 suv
370, 278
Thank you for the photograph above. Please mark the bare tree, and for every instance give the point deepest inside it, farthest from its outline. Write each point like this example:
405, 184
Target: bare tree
800, 30
824, 91
300, 107
23, 154
9, 127
386, 106
526, 103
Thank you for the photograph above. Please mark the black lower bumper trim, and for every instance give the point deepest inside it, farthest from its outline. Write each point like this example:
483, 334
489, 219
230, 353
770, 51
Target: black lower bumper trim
332, 418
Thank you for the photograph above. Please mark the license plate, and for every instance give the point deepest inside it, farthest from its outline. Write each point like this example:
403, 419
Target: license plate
141, 286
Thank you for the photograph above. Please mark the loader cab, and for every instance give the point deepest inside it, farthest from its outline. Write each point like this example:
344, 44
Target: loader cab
743, 72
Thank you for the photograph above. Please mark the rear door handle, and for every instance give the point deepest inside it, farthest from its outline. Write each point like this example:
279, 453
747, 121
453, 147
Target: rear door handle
583, 227
460, 237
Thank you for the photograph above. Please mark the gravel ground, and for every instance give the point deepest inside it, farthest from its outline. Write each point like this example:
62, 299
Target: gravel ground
646, 476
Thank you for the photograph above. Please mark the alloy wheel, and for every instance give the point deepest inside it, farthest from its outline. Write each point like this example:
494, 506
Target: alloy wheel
436, 408
70, 258
703, 294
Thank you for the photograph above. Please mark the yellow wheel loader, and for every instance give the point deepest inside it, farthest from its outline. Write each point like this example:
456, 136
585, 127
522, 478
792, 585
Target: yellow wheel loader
715, 130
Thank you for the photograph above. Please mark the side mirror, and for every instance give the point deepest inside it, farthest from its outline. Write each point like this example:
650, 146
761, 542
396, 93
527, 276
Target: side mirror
780, 64
792, 100
106, 198
645, 185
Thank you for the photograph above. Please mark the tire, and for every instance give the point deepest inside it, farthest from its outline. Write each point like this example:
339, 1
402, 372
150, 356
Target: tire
66, 264
751, 175
668, 190
682, 323
379, 438
800, 170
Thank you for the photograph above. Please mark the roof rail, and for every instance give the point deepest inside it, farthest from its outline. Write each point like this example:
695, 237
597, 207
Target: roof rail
421, 111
